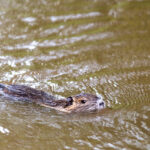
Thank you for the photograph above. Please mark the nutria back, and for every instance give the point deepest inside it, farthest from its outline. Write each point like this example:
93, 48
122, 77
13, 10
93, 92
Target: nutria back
83, 102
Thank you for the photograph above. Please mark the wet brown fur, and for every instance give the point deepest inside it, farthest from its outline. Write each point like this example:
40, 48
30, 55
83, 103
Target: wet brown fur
77, 103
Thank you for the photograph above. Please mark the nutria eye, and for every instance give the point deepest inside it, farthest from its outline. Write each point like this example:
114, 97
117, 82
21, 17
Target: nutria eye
83, 101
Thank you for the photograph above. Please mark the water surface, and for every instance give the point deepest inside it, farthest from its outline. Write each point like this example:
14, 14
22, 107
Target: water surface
69, 47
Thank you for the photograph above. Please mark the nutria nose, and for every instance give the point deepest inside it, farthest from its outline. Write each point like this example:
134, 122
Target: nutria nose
101, 104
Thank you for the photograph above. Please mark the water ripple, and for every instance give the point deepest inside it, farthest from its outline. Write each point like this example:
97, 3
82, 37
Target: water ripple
29, 19
4, 130
74, 16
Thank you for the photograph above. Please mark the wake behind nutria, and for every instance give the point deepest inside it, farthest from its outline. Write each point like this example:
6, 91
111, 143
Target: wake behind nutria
83, 102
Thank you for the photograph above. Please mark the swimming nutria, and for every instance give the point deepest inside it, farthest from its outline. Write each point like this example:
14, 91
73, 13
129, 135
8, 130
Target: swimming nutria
79, 103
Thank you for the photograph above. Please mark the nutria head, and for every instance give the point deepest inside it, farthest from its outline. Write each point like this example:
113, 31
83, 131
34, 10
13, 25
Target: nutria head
84, 102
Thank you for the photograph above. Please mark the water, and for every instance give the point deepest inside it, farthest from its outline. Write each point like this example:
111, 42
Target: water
69, 47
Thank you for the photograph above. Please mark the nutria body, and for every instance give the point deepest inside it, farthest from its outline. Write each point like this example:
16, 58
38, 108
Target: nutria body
79, 103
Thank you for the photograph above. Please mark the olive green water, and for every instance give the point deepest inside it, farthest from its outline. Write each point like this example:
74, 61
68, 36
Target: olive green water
66, 47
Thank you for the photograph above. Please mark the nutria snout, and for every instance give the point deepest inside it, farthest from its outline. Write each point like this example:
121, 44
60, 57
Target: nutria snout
83, 102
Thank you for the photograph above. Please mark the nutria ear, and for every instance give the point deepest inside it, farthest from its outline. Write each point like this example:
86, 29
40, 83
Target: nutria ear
70, 99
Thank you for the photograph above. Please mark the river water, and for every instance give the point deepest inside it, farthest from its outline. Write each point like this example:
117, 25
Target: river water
68, 47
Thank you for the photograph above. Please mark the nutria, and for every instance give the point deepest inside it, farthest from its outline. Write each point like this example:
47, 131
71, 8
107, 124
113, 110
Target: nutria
79, 103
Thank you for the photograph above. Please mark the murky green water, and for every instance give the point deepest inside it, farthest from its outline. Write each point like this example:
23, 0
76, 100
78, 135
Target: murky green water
67, 47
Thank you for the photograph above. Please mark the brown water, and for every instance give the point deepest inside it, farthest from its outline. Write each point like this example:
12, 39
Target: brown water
66, 47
